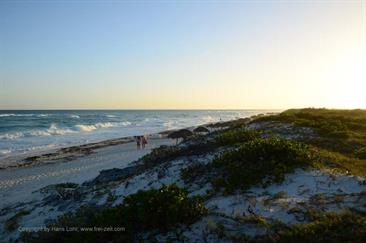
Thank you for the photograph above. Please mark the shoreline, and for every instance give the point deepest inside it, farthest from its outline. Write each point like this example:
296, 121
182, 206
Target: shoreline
69, 153
18, 184
34, 195
48, 132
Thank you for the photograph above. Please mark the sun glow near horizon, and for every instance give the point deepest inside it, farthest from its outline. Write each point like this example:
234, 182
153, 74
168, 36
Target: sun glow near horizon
270, 55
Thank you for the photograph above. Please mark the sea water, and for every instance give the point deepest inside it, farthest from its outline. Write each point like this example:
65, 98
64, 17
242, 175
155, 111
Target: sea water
27, 131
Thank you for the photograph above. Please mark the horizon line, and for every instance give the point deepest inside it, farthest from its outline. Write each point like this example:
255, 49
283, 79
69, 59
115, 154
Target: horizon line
142, 109
174, 109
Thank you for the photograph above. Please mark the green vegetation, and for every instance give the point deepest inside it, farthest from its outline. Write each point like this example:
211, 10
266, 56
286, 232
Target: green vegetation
156, 209
340, 130
253, 159
60, 186
260, 161
236, 136
361, 153
341, 162
325, 227
340, 145
166, 153
232, 124
65, 185
13, 223
193, 172
341, 135
183, 133
162, 153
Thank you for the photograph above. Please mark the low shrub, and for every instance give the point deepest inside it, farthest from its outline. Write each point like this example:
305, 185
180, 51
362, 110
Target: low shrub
193, 172
165, 153
13, 223
342, 131
236, 136
260, 161
163, 208
156, 209
361, 153
330, 227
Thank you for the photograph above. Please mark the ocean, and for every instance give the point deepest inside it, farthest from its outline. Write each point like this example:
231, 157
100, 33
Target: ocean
28, 131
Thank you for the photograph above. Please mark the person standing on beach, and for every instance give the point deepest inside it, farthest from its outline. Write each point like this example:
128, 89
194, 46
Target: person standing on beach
143, 141
138, 141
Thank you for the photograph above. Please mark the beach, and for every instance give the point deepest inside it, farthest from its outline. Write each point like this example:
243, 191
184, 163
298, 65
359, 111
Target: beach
182, 121
32, 132
38, 191
73, 146
17, 184
20, 185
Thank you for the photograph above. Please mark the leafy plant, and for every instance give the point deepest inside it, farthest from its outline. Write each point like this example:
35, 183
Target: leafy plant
155, 209
260, 161
235, 136
12, 223
329, 227
361, 153
193, 172
339, 130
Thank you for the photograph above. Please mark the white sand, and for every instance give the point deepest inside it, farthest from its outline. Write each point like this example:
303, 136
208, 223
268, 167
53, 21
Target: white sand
17, 184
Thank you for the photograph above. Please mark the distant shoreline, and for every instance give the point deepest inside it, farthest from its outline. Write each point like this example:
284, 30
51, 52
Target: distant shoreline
68, 152
63, 153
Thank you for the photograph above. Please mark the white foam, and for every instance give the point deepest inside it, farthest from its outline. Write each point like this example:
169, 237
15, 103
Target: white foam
208, 119
11, 114
52, 130
74, 116
125, 123
4, 151
170, 125
90, 128
5, 115
12, 136
86, 128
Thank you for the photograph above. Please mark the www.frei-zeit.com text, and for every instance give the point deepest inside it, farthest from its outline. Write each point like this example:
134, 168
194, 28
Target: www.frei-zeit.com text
71, 229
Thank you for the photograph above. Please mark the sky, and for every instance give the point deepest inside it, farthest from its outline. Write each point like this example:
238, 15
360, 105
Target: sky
182, 54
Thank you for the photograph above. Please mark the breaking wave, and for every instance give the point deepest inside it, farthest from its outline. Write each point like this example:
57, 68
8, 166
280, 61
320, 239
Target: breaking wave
11, 114
4, 151
55, 130
52, 130
23, 115
89, 128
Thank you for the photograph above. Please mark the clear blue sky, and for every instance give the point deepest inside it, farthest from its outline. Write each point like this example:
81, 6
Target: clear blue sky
183, 54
